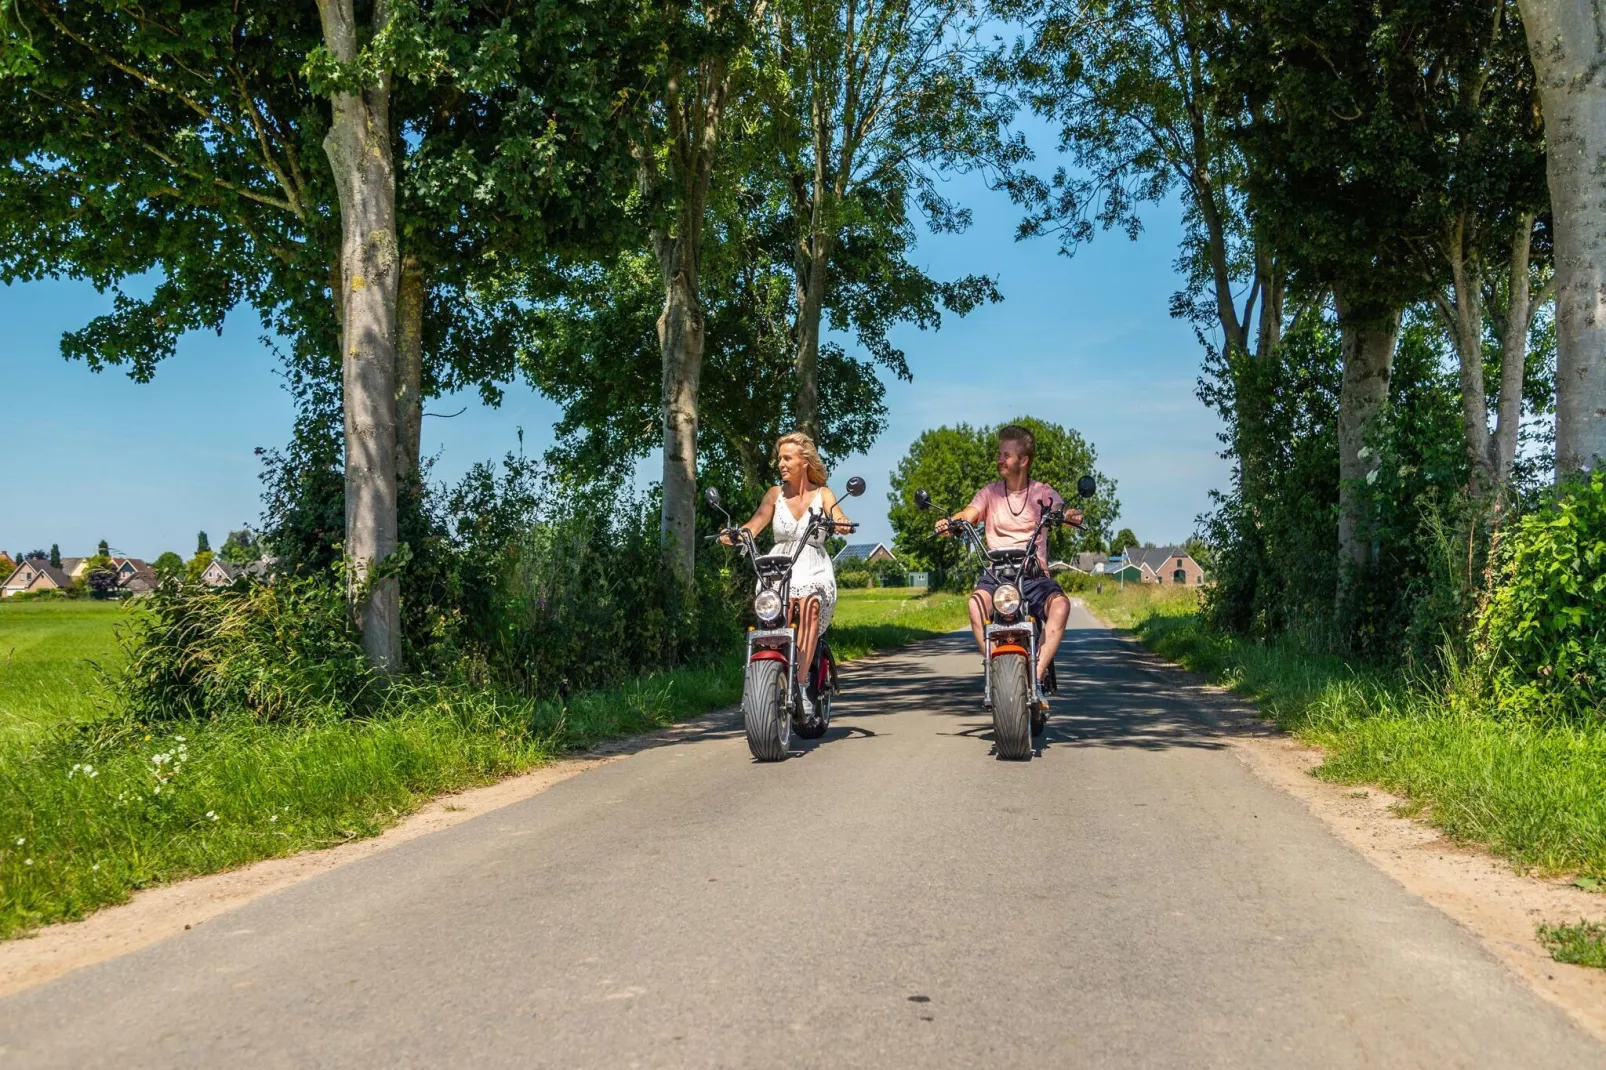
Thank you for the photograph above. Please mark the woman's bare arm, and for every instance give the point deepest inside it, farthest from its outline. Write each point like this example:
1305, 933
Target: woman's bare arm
833, 509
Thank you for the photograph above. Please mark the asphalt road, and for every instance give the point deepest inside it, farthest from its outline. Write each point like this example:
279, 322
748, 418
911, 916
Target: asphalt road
890, 896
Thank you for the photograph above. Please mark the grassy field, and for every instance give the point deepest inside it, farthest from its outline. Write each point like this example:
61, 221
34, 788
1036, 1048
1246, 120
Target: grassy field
93, 806
878, 618
1530, 792
48, 654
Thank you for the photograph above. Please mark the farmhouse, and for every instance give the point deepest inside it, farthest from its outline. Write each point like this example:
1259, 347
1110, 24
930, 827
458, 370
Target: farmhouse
1166, 564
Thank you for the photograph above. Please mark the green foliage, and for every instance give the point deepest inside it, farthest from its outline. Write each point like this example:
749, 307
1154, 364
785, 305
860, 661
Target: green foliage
168, 566
55, 556
1275, 540
851, 577
197, 565
953, 463
202, 544
1123, 541
1542, 632
100, 575
240, 548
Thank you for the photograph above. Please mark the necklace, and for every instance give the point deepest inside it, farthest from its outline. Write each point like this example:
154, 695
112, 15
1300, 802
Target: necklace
1012, 510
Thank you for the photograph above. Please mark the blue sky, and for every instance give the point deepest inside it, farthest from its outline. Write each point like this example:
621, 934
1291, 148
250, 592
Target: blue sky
1088, 338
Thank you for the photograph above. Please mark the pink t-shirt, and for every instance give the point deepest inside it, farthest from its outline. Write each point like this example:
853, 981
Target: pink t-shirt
1010, 518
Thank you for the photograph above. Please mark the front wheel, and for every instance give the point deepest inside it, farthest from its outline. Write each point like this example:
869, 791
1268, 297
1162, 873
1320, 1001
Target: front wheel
1012, 707
769, 723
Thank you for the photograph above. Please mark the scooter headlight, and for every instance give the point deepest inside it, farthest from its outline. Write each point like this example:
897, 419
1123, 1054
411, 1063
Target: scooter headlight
1006, 599
767, 604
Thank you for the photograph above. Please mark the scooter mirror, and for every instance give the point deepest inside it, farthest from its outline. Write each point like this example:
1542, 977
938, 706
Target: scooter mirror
855, 486
1086, 487
922, 500
711, 496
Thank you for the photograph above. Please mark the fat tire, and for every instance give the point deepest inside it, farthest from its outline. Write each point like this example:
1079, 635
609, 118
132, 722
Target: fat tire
1012, 708
769, 726
815, 727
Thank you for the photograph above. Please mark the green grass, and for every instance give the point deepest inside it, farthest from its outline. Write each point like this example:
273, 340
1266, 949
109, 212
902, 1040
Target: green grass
93, 806
48, 653
1583, 944
1530, 792
878, 618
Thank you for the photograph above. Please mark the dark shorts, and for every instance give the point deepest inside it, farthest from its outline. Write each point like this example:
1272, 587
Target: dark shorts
1037, 590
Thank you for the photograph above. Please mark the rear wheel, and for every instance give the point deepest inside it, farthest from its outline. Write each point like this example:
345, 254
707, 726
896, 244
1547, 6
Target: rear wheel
769, 723
1012, 710
820, 690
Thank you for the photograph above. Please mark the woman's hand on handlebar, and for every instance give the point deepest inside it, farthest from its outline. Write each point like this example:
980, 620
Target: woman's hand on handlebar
845, 527
729, 536
1073, 518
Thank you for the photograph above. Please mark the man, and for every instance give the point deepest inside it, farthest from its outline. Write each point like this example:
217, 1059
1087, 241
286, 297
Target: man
1009, 509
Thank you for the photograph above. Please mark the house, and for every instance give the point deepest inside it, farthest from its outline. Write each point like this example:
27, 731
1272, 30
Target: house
1166, 564
134, 576
36, 574
863, 553
221, 573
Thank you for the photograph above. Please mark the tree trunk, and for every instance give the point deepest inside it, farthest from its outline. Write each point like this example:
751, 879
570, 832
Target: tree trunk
359, 149
1272, 286
409, 368
1513, 353
813, 263
680, 336
1465, 315
1567, 39
1367, 338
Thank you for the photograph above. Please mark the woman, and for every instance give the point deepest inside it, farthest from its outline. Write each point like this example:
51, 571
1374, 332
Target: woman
787, 507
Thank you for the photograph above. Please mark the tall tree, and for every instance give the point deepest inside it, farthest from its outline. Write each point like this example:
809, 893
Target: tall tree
1335, 164
360, 149
1567, 40
1134, 90
188, 139
705, 46
871, 101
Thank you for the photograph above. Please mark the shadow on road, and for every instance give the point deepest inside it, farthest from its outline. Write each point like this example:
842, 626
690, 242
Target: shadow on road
1107, 697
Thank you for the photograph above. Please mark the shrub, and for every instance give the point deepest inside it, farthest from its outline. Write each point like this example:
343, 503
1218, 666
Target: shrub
853, 576
285, 651
1542, 632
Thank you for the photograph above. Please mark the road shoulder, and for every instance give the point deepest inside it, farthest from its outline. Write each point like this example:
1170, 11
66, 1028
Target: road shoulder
1481, 893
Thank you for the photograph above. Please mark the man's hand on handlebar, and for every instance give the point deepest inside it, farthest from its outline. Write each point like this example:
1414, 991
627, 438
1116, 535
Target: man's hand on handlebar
1073, 518
944, 528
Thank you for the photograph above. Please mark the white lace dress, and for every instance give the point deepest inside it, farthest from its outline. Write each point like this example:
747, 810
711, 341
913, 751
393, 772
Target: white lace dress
812, 574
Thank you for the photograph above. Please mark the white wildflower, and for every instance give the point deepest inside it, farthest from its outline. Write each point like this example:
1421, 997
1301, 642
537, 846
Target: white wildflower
27, 861
91, 772
21, 840
1366, 451
95, 868
179, 738
211, 815
1371, 477
272, 819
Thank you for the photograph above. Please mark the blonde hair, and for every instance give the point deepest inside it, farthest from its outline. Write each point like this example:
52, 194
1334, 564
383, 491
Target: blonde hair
811, 456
